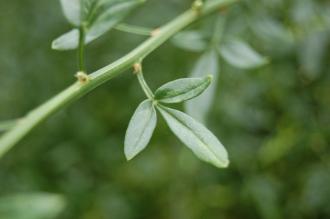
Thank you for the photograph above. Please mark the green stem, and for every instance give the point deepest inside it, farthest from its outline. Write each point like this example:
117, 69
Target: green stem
134, 29
78, 89
81, 49
144, 85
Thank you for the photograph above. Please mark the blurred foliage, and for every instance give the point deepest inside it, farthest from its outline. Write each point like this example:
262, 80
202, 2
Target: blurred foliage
274, 121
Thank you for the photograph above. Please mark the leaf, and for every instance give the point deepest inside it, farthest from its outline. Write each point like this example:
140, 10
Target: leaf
31, 206
190, 40
241, 55
200, 106
111, 17
71, 10
196, 137
67, 41
99, 17
140, 129
182, 89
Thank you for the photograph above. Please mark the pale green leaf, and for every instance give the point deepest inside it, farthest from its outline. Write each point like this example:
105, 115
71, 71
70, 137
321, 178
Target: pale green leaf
140, 129
190, 40
67, 41
72, 11
241, 55
182, 89
31, 206
111, 17
200, 106
99, 16
196, 137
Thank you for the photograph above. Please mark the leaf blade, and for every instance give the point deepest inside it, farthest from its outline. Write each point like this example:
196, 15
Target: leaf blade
239, 54
140, 129
190, 40
182, 89
72, 11
200, 106
196, 137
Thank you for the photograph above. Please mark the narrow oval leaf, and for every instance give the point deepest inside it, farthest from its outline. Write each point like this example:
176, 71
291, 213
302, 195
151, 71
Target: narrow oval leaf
72, 11
140, 129
190, 40
241, 55
31, 206
200, 106
196, 137
67, 41
111, 17
182, 89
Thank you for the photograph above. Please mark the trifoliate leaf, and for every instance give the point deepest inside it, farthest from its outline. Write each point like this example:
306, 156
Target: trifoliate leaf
200, 106
140, 129
196, 137
98, 17
182, 89
241, 55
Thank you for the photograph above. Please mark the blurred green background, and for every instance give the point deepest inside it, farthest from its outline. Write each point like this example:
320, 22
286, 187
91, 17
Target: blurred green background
274, 121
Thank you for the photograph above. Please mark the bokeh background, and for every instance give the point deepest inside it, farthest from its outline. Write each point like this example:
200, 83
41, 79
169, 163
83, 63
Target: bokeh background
274, 120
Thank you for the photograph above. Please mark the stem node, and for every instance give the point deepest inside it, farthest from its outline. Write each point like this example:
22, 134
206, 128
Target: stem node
82, 77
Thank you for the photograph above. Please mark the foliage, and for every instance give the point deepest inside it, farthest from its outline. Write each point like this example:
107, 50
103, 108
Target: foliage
273, 118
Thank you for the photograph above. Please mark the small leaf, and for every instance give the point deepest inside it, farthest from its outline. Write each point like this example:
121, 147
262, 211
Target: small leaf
71, 10
196, 137
241, 55
190, 40
200, 106
31, 206
182, 89
99, 17
140, 129
67, 41
111, 17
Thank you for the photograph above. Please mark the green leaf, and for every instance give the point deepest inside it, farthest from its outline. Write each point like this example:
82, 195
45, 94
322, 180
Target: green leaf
196, 137
67, 41
241, 55
182, 89
31, 206
140, 129
72, 11
190, 40
111, 17
200, 106
98, 17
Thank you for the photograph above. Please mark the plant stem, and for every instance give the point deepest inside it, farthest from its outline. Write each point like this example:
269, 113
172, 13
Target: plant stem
81, 49
78, 89
134, 29
144, 85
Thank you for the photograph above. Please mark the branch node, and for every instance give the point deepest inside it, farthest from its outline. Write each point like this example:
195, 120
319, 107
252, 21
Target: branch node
197, 5
155, 32
137, 68
82, 77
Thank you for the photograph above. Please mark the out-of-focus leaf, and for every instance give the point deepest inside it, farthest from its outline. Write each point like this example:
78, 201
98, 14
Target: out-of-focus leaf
190, 40
140, 129
273, 35
311, 54
182, 89
31, 206
67, 41
72, 11
241, 55
99, 17
200, 106
264, 194
278, 146
196, 137
111, 17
